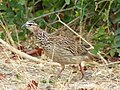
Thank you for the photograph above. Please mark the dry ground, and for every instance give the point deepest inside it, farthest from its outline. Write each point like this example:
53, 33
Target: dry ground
18, 74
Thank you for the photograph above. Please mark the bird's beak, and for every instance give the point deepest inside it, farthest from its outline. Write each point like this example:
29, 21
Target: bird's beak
23, 25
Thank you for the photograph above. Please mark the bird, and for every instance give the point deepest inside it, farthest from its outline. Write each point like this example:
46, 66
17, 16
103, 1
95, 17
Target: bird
58, 48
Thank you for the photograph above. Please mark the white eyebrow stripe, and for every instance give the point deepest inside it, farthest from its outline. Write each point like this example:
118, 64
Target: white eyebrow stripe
27, 23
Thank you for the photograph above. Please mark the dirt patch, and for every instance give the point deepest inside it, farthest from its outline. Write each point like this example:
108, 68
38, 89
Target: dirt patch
19, 73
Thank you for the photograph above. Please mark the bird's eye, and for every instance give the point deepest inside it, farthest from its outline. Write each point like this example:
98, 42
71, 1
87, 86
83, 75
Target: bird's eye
30, 24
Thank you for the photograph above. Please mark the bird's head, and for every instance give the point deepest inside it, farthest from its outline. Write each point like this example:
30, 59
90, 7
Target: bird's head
31, 25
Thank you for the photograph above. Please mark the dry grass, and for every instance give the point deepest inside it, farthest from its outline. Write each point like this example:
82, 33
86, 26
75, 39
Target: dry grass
20, 72
17, 74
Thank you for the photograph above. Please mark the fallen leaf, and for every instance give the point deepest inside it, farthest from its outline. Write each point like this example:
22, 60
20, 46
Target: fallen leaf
32, 85
2, 76
35, 52
114, 59
1, 49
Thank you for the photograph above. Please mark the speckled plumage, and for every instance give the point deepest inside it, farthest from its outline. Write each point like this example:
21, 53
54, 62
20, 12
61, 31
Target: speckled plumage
59, 49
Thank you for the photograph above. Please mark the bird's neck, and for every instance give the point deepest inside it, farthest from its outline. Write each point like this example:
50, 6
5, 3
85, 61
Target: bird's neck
43, 38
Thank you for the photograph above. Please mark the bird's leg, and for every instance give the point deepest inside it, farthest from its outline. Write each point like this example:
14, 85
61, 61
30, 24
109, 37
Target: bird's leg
81, 70
63, 67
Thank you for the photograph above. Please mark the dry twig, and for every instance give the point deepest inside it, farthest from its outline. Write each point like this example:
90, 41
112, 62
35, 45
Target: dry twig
24, 55
82, 39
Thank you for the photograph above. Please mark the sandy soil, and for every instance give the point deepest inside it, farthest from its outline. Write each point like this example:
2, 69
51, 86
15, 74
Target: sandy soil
18, 74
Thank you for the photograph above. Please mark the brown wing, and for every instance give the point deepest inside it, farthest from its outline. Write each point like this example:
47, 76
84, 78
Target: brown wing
67, 44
